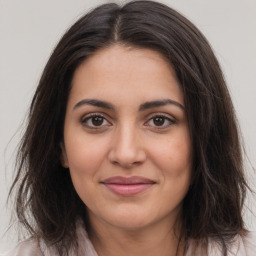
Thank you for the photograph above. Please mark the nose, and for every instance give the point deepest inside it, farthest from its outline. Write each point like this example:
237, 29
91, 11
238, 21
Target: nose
127, 148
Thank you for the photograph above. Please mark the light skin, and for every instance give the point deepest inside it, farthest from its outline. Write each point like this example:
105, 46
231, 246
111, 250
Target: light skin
125, 117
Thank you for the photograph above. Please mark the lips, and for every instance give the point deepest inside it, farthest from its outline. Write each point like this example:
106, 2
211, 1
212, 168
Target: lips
128, 186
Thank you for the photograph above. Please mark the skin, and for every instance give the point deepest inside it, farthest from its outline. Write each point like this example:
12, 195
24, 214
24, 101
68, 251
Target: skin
126, 141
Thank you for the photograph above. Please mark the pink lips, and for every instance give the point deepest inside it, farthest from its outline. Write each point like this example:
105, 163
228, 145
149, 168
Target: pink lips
128, 186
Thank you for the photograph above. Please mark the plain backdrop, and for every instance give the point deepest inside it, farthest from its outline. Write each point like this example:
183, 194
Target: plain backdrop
30, 29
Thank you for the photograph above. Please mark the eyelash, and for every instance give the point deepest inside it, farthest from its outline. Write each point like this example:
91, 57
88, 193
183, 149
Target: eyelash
167, 118
89, 117
84, 121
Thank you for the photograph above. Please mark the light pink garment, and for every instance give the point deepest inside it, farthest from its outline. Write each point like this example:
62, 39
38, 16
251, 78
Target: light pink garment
241, 247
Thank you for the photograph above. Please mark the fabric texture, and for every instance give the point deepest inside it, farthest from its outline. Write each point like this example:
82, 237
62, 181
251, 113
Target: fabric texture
245, 246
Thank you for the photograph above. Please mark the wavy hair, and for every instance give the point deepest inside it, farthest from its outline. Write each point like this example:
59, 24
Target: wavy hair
46, 201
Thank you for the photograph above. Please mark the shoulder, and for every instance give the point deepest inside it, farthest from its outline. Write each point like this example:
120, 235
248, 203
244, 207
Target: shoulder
33, 247
29, 247
248, 243
241, 246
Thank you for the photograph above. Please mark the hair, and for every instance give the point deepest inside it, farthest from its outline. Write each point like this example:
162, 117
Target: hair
46, 201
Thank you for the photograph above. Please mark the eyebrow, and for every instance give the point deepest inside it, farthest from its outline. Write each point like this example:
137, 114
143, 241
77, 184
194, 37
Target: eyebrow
96, 103
160, 103
142, 107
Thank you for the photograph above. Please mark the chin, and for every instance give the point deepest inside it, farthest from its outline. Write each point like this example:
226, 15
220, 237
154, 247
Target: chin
131, 223
132, 218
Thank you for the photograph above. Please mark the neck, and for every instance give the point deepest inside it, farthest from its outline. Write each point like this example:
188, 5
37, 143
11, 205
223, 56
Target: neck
150, 241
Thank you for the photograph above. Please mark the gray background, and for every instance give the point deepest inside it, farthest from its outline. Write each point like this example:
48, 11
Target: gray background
30, 29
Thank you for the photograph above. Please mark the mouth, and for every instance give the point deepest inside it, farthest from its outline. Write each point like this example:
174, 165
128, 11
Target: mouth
128, 186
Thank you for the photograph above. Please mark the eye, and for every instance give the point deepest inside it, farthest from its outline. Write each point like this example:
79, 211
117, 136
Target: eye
160, 121
95, 121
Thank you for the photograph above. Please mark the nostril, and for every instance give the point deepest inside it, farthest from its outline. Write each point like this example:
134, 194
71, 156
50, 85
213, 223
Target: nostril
126, 165
126, 152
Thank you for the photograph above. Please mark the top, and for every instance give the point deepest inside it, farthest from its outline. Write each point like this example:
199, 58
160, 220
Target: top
242, 246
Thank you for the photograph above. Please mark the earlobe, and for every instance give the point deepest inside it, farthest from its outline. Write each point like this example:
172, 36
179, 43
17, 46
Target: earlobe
63, 156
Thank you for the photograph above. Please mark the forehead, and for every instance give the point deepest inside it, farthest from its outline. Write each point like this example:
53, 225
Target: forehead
120, 72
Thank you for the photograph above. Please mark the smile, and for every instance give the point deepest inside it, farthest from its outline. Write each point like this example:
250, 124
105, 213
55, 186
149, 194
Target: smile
128, 186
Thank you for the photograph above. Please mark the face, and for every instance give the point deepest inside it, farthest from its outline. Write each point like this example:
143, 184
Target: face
126, 138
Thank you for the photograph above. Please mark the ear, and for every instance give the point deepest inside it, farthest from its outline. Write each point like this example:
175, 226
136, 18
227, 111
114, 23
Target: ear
63, 156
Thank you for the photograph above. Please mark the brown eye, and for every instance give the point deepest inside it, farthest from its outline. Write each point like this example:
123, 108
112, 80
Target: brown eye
97, 120
159, 121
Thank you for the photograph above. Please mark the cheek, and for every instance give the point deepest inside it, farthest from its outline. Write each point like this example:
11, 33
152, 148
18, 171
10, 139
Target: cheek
173, 155
85, 154
174, 158
85, 158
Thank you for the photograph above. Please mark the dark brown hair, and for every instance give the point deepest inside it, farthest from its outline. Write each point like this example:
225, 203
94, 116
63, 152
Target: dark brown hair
47, 204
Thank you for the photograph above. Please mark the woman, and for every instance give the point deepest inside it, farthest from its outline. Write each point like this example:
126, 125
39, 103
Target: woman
132, 146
